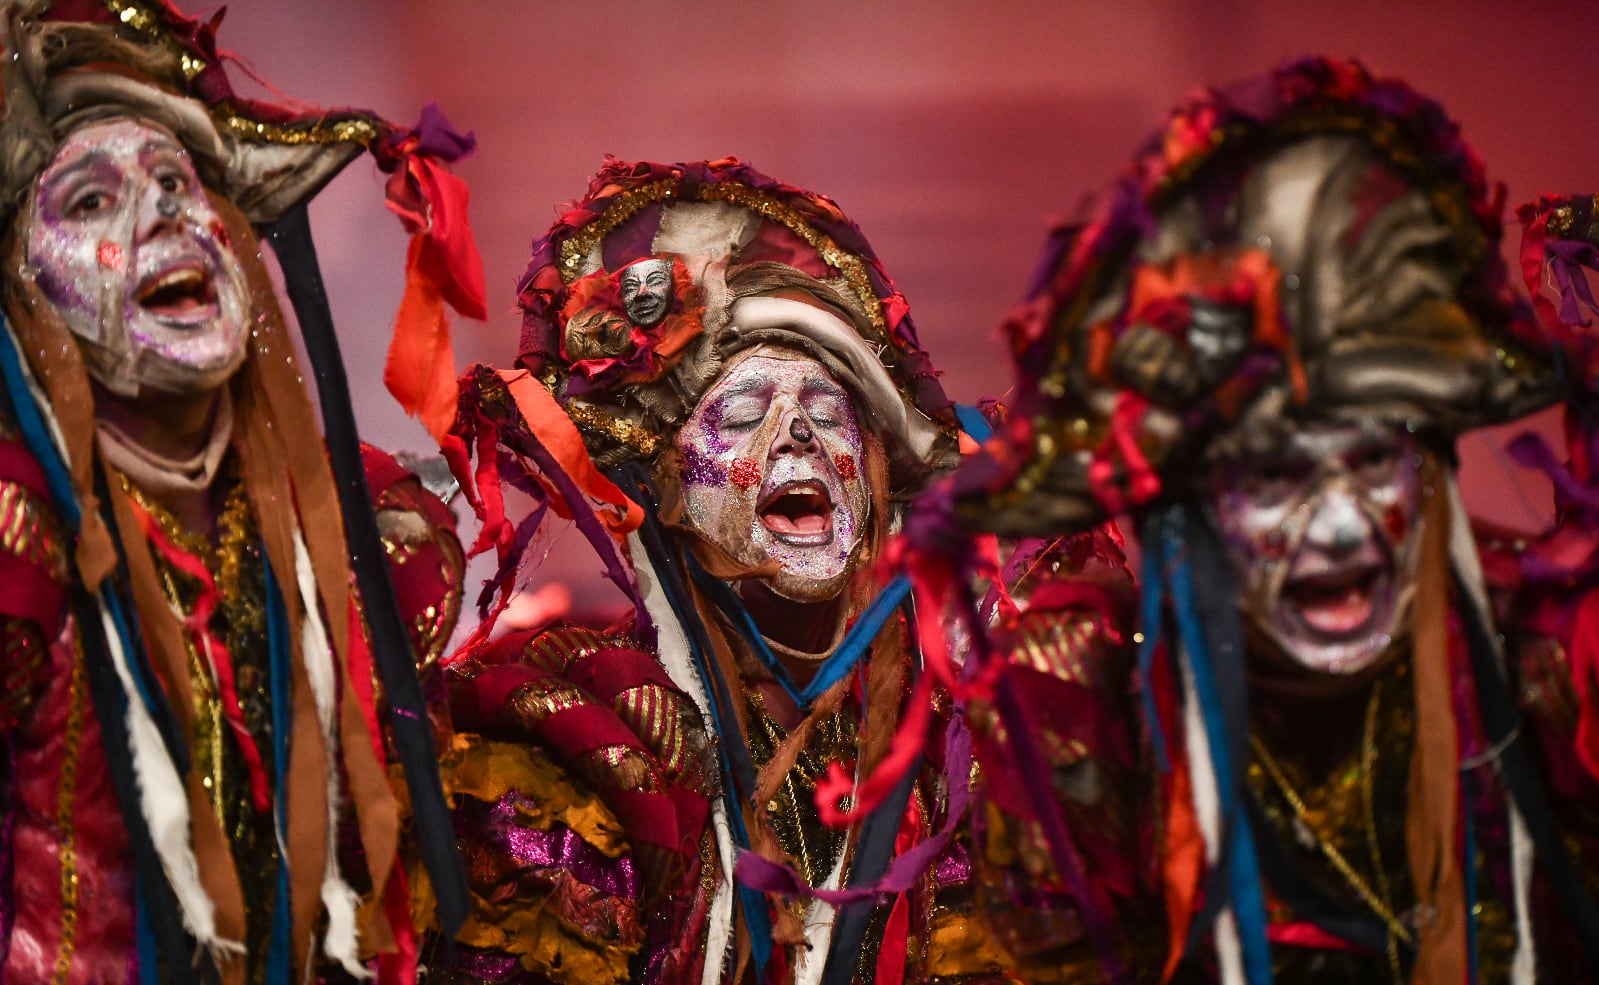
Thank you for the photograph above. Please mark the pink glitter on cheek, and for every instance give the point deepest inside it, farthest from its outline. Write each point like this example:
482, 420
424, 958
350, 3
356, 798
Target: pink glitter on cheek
745, 472
110, 255
845, 463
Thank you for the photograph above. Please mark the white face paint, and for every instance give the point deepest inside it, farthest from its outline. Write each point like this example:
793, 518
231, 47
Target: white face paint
1323, 535
124, 242
646, 288
773, 469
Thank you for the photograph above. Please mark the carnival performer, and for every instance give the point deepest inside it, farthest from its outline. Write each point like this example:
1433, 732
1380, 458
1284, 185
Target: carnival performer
1327, 756
185, 658
720, 384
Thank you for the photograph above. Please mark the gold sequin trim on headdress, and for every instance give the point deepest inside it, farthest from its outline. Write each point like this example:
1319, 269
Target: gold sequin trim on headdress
142, 18
619, 429
628, 204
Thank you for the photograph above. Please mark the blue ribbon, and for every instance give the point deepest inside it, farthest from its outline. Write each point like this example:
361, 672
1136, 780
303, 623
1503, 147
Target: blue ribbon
1239, 865
838, 664
280, 955
34, 432
973, 422
1150, 620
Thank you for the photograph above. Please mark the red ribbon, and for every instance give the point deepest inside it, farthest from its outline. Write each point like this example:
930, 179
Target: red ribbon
442, 266
1143, 484
1585, 674
1533, 238
198, 624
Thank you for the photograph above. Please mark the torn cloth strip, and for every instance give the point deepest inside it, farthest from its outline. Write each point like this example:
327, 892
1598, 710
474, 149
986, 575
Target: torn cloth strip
391, 644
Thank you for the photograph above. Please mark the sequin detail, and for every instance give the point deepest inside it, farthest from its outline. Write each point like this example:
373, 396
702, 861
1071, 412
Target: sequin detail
745, 473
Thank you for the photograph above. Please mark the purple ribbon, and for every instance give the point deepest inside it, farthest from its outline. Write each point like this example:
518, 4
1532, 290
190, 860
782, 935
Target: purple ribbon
1534, 452
1567, 258
436, 138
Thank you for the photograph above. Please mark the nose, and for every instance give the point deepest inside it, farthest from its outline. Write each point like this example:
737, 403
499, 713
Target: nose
1338, 526
160, 212
795, 436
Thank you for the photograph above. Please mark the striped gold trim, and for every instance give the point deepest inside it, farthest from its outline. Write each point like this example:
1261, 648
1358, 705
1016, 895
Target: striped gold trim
27, 533
66, 812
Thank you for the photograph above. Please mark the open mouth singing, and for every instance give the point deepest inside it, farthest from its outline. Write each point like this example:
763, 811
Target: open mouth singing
799, 513
181, 294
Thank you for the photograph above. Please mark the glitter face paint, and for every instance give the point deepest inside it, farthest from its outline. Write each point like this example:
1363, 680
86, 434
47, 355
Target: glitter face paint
762, 476
124, 242
1323, 535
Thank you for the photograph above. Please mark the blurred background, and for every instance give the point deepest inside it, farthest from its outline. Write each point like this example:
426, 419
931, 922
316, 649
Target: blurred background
951, 132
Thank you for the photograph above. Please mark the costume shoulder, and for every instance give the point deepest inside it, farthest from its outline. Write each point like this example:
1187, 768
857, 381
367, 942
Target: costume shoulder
33, 549
582, 783
425, 555
1544, 591
34, 574
1069, 647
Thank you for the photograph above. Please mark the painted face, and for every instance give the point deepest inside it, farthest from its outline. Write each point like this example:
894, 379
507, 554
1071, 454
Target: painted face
772, 469
124, 242
1323, 534
647, 291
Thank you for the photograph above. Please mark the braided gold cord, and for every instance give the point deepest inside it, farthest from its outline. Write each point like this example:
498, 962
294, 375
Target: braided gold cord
1377, 904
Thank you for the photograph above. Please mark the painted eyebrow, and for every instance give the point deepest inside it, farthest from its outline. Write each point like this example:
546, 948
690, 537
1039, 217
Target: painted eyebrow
744, 387
154, 148
89, 161
819, 384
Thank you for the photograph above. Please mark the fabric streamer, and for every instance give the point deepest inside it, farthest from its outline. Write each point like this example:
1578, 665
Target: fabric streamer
902, 872
838, 664
1208, 630
734, 755
408, 722
442, 267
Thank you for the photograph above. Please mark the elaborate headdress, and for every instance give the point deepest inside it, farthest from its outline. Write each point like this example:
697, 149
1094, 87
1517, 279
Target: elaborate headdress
1237, 274
70, 63
753, 261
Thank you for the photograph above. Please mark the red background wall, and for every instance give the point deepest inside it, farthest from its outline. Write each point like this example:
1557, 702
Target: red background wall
950, 131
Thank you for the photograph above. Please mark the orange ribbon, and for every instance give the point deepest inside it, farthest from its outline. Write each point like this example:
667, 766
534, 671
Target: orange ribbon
442, 266
556, 432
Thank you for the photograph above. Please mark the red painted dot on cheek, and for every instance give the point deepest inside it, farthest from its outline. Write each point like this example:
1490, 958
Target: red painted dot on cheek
221, 233
845, 463
1273, 545
1396, 522
744, 473
110, 255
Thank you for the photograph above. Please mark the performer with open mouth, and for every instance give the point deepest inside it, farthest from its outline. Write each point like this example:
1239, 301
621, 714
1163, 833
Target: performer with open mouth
718, 381
1332, 741
197, 785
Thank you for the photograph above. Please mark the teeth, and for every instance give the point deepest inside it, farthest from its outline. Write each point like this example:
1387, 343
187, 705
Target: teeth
185, 278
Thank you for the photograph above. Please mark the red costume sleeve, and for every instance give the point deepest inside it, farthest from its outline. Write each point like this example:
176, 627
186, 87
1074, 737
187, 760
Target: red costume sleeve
33, 573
